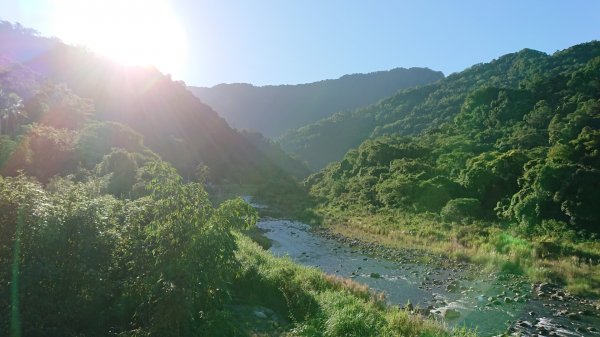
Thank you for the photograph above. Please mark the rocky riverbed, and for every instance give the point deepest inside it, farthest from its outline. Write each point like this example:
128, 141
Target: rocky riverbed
458, 293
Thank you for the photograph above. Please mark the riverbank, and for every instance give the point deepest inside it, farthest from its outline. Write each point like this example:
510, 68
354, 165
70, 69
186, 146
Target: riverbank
276, 296
556, 257
432, 285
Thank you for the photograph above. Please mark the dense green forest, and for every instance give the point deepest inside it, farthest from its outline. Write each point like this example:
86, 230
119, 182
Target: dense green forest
273, 151
108, 106
427, 107
274, 109
81, 262
115, 185
113, 220
503, 161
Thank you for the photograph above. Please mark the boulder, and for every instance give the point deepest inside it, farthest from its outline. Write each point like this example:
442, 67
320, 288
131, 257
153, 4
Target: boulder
375, 275
450, 313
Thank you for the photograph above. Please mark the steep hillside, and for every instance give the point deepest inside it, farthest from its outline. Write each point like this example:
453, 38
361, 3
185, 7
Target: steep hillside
272, 110
273, 151
414, 110
174, 123
508, 173
101, 237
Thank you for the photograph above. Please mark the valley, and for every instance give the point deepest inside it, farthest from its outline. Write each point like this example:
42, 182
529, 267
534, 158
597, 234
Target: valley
400, 202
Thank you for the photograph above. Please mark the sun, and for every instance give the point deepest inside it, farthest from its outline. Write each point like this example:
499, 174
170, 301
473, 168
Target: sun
132, 32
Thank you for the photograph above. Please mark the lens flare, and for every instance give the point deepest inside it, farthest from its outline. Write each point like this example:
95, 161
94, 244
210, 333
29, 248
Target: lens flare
132, 32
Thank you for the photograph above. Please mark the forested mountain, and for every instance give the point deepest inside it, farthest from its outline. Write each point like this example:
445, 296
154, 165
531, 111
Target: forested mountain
516, 139
273, 151
273, 109
68, 90
414, 110
100, 236
499, 165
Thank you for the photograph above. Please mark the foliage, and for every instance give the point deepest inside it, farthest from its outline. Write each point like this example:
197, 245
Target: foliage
461, 210
165, 264
522, 146
487, 94
320, 305
121, 166
118, 107
94, 265
504, 171
97, 139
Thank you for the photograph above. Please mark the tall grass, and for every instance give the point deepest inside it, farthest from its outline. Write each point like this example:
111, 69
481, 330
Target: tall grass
571, 262
320, 305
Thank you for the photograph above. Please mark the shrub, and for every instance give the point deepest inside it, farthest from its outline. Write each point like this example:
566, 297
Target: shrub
461, 209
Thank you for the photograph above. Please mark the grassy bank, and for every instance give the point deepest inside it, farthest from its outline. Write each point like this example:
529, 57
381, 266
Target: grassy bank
316, 304
557, 256
290, 201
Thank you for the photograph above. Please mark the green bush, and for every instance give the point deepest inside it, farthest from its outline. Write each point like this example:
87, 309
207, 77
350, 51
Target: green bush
350, 317
461, 209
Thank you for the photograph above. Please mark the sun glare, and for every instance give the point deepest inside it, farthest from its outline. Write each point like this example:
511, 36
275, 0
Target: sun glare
132, 32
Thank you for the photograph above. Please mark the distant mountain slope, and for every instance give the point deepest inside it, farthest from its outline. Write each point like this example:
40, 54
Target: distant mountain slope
414, 110
272, 110
292, 166
516, 139
173, 122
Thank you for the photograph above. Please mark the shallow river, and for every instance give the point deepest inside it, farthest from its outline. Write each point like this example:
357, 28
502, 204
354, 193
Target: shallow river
460, 295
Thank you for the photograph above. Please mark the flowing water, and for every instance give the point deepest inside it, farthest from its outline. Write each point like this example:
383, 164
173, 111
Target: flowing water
459, 294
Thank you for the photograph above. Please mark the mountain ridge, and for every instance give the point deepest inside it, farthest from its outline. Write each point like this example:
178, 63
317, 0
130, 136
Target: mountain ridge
174, 123
273, 109
413, 110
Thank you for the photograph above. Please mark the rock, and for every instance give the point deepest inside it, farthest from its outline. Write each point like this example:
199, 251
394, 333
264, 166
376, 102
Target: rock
451, 288
375, 275
260, 314
545, 287
450, 313
508, 300
573, 316
524, 324
561, 313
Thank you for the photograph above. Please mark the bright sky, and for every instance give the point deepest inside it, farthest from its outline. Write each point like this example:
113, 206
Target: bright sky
286, 42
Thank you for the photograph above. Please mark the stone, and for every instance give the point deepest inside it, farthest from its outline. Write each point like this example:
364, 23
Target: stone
260, 314
524, 324
450, 313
